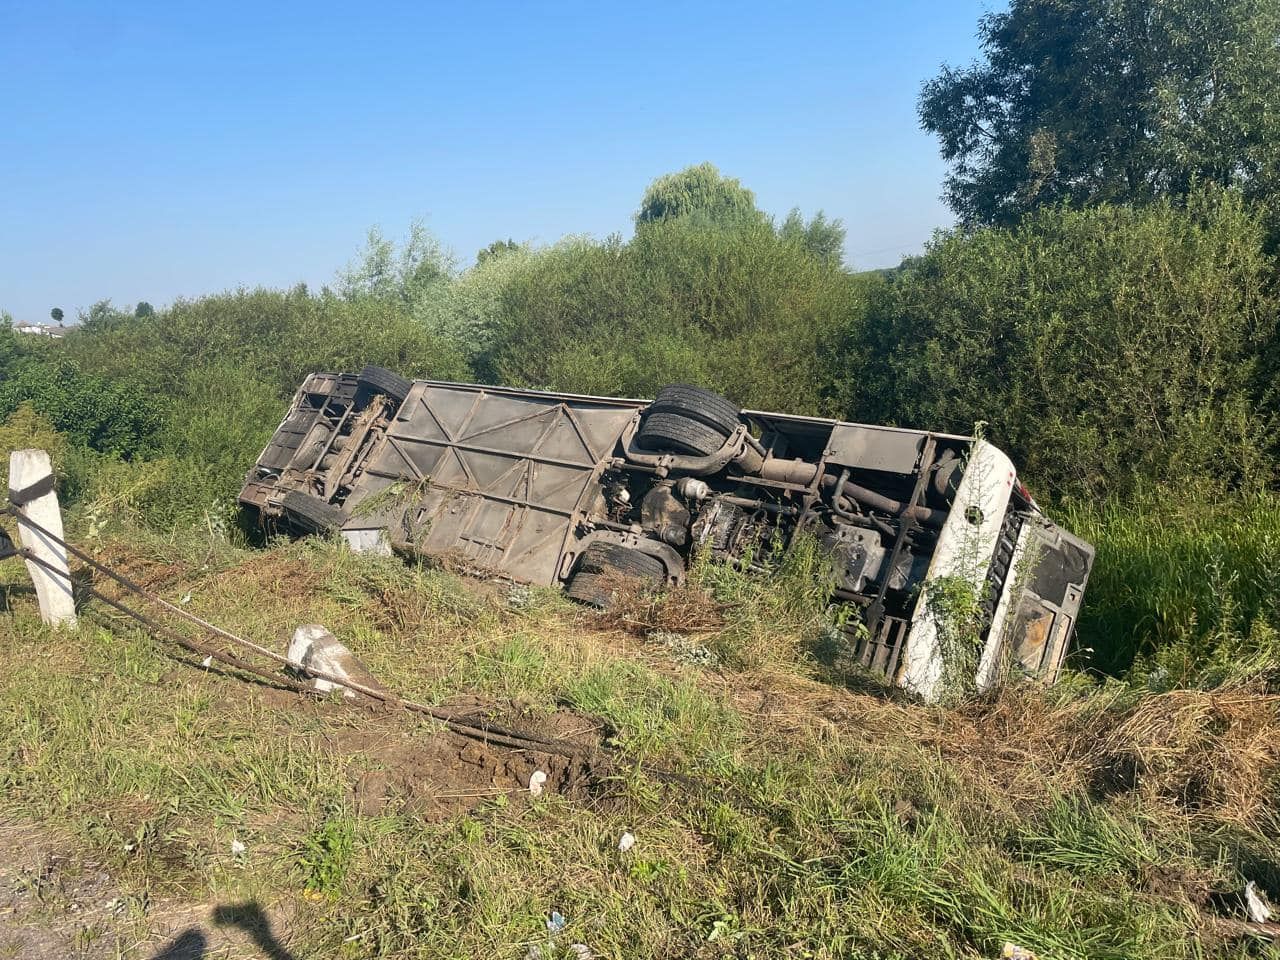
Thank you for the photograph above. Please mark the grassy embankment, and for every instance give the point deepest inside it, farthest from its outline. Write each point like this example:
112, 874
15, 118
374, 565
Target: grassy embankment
815, 818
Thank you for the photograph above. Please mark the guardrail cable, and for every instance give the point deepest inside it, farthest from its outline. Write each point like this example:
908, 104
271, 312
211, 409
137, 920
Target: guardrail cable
489, 733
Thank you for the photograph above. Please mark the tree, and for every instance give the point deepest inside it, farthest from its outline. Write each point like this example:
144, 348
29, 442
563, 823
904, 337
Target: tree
57, 315
102, 317
1109, 100
822, 237
9, 349
467, 309
744, 311
497, 249
700, 192
143, 309
405, 274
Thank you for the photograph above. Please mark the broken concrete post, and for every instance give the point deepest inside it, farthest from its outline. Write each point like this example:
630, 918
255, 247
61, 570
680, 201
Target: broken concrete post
314, 649
31, 491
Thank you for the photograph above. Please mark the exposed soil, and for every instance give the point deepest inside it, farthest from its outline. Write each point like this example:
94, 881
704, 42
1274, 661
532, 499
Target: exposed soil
148, 572
440, 775
400, 762
53, 904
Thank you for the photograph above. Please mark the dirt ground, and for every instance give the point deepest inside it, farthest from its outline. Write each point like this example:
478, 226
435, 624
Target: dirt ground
444, 775
55, 905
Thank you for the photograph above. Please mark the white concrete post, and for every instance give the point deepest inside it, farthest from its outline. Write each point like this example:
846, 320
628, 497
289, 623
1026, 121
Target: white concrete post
31, 491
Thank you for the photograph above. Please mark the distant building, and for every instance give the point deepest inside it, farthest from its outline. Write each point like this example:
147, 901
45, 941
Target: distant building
40, 329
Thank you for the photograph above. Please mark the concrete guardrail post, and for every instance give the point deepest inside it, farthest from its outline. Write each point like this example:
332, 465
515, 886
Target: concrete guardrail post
31, 491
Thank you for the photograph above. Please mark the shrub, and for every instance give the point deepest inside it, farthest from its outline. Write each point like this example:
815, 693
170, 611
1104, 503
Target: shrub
272, 336
25, 429
464, 311
115, 415
1101, 345
224, 420
166, 493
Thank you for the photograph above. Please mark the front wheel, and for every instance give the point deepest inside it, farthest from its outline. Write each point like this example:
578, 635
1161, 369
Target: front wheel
309, 514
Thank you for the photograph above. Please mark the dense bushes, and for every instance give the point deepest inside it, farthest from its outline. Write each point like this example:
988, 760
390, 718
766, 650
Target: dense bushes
1101, 346
742, 309
110, 414
466, 311
271, 336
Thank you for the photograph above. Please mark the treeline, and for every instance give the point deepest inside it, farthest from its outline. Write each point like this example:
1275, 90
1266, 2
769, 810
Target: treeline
1103, 348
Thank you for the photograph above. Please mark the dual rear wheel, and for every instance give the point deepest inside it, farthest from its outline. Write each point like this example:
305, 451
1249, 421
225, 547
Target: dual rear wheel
688, 420
682, 419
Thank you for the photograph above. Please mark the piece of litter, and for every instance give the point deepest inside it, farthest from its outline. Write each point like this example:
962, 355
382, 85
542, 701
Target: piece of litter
519, 597
207, 661
626, 842
186, 598
557, 922
1256, 904
536, 781
581, 951
534, 953
1012, 951
128, 847
237, 848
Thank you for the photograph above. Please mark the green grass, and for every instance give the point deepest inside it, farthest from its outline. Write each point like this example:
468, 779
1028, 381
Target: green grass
808, 821
782, 618
1186, 585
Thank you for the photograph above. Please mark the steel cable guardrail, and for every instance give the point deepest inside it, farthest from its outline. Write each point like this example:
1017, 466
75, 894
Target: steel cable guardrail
489, 733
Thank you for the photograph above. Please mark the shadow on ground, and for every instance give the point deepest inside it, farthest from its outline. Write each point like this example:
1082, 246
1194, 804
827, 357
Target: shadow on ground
193, 944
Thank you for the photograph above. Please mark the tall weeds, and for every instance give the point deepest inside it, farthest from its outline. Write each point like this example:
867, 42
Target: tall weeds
1186, 586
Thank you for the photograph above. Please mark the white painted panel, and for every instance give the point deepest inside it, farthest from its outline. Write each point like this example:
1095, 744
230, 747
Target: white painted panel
964, 550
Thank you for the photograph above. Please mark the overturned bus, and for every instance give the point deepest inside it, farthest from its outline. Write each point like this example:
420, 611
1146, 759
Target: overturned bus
589, 492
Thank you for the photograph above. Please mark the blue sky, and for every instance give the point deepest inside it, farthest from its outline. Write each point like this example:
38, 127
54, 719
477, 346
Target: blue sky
150, 151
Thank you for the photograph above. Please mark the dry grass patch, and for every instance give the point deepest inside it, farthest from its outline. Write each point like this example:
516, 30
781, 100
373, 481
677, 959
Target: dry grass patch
1210, 752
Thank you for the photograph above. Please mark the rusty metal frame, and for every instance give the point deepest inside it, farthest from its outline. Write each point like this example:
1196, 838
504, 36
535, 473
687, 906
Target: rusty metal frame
503, 473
